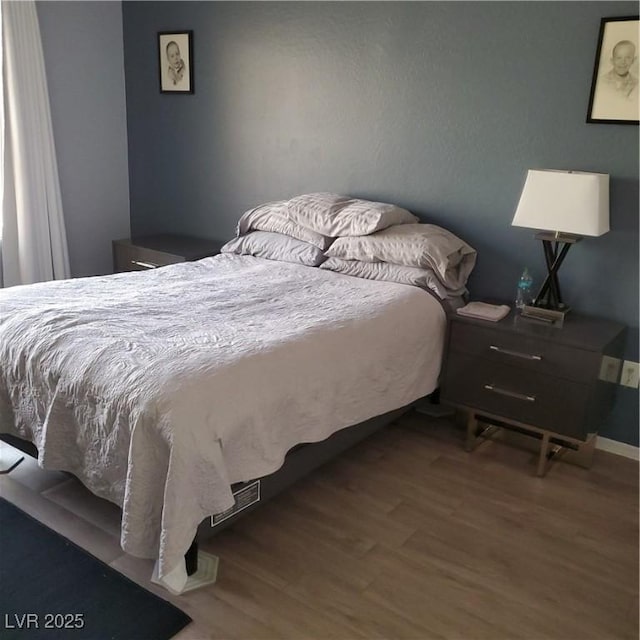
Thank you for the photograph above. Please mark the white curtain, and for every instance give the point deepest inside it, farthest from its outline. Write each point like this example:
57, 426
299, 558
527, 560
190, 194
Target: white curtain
33, 244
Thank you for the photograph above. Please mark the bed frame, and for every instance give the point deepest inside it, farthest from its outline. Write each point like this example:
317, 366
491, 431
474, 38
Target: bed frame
300, 461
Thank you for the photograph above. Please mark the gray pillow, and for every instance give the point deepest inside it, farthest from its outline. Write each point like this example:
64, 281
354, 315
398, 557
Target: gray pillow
275, 246
272, 216
412, 245
416, 276
333, 215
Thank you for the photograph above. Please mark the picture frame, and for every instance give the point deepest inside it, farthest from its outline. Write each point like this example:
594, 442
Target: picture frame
614, 85
175, 62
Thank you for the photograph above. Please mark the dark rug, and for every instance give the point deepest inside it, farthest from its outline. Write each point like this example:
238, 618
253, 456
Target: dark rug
50, 589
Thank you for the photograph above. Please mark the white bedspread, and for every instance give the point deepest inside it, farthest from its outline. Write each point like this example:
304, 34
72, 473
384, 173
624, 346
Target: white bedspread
159, 389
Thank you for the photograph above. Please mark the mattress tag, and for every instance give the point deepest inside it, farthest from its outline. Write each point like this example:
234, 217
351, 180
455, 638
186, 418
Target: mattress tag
244, 497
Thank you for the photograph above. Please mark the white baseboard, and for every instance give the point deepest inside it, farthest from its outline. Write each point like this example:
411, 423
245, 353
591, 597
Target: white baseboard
619, 448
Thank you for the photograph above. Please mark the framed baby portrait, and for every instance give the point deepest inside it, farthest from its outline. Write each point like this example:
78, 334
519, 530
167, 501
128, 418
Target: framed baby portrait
175, 61
614, 87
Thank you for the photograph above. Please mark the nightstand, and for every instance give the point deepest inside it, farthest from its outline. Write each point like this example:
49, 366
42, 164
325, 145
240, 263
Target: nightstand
150, 252
555, 384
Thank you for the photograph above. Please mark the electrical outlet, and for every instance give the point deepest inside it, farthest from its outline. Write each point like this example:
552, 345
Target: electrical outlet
629, 377
610, 369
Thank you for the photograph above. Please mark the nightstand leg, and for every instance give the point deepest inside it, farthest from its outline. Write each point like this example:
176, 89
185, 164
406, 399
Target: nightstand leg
542, 458
475, 434
583, 457
546, 456
472, 430
552, 447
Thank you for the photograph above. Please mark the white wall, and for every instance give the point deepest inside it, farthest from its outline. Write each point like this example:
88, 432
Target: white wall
84, 59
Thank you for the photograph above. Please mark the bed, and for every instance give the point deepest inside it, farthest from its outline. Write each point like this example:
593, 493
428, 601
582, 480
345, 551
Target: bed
165, 390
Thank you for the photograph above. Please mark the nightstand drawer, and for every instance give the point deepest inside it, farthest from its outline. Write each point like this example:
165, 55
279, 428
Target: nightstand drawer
515, 393
532, 354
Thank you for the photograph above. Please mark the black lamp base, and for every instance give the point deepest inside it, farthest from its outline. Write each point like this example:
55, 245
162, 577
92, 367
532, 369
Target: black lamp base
552, 317
548, 305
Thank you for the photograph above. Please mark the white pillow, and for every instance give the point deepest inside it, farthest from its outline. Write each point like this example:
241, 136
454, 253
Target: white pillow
416, 276
272, 216
275, 246
333, 215
412, 245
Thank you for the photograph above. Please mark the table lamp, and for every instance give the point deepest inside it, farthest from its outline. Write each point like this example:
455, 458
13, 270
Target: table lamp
565, 206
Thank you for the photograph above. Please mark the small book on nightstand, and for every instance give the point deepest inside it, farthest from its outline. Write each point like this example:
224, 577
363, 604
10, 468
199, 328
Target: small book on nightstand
484, 311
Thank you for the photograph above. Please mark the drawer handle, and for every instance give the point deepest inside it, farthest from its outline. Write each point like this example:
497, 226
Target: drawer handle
511, 394
517, 354
145, 265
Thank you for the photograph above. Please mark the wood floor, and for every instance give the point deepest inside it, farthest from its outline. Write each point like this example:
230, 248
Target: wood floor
404, 536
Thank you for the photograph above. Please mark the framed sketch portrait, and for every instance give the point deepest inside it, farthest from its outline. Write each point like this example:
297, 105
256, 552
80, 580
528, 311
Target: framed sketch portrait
175, 61
614, 88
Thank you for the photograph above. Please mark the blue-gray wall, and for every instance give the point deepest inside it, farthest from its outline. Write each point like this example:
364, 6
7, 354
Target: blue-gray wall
84, 61
440, 107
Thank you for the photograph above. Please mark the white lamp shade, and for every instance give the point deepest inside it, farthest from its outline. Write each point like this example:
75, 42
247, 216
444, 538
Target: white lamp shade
573, 202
